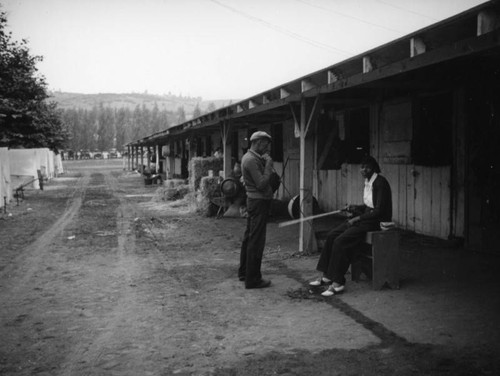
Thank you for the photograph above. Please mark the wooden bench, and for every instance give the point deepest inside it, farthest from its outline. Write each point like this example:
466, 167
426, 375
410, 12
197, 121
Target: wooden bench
381, 262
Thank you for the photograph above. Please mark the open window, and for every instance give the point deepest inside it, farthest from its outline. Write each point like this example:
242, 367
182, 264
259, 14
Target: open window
277, 143
432, 132
343, 137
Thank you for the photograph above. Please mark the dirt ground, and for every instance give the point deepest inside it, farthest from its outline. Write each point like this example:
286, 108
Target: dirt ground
97, 277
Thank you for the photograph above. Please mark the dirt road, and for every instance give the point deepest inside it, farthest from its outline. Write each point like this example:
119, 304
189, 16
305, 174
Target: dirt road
96, 278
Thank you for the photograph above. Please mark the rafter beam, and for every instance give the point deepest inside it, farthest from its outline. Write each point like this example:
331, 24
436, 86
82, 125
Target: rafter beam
417, 46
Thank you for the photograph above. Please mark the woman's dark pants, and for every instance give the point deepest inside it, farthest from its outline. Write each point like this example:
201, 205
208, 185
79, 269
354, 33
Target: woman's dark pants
342, 245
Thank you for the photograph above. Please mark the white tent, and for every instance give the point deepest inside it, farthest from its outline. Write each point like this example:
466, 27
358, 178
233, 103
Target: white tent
58, 166
23, 165
5, 180
45, 162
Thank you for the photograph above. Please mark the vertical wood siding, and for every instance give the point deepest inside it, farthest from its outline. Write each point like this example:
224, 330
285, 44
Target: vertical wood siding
420, 195
291, 156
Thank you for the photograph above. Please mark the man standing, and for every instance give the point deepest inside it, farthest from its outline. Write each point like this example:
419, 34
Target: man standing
257, 167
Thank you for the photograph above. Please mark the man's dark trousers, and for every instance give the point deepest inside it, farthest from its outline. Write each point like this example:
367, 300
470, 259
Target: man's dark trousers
254, 241
342, 245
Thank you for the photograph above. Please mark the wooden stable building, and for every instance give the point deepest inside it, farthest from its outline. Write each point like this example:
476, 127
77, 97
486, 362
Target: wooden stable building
426, 106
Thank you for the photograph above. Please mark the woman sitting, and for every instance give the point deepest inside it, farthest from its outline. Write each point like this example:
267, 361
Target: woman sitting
343, 242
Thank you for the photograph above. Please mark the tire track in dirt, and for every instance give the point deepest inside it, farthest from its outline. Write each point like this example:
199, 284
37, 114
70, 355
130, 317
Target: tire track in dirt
22, 268
132, 326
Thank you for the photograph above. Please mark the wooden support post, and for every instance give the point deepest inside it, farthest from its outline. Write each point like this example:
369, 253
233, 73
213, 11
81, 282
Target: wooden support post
307, 238
192, 146
171, 160
157, 154
141, 168
225, 128
149, 158
136, 151
129, 158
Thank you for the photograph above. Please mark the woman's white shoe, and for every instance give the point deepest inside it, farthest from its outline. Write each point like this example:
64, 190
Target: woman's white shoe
320, 282
338, 288
328, 292
332, 290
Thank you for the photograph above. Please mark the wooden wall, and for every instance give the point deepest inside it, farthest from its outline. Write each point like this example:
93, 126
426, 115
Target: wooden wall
334, 189
420, 195
291, 162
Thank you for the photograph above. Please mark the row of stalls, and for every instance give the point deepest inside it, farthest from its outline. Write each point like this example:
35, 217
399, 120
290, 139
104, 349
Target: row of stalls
426, 106
19, 167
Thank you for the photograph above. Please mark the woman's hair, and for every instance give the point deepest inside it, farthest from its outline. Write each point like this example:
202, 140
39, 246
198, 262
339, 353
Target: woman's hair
369, 160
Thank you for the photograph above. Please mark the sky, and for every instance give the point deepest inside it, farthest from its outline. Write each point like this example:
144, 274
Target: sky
214, 49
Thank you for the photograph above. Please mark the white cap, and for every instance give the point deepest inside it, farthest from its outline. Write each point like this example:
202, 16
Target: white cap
259, 134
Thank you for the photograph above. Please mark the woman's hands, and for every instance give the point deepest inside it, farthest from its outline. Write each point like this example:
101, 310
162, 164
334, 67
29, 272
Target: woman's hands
353, 220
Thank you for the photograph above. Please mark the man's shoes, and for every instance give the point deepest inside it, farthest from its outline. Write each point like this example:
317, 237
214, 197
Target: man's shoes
262, 284
322, 281
241, 278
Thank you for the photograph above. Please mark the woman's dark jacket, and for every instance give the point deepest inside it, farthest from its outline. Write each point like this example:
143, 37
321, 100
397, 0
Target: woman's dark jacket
382, 202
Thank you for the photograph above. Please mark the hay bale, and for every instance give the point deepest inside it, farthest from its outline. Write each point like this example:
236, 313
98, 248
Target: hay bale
171, 193
210, 186
183, 190
199, 167
174, 183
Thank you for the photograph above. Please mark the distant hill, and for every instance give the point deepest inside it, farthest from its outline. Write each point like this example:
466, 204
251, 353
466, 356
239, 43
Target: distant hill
168, 102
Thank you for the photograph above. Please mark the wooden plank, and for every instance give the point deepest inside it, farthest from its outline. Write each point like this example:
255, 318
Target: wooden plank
424, 199
343, 184
142, 159
319, 192
225, 129
392, 174
307, 235
278, 167
340, 187
157, 154
487, 21
417, 46
411, 194
402, 217
459, 164
348, 184
436, 210
355, 185
446, 202
375, 130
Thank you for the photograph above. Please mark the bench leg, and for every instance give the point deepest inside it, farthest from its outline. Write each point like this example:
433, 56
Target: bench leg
385, 249
362, 265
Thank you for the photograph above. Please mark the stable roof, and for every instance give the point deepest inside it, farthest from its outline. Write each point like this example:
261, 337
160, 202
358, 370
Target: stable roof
470, 33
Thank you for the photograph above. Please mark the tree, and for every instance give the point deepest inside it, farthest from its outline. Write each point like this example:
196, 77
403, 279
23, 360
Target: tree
181, 115
26, 118
211, 107
196, 111
105, 128
123, 126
